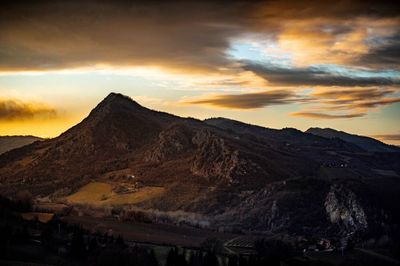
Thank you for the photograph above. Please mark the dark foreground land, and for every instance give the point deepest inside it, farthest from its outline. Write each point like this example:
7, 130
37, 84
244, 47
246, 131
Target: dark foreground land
80, 240
159, 234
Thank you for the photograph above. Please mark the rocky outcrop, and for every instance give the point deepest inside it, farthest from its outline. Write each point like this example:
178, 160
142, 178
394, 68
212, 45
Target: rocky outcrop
171, 142
215, 158
344, 210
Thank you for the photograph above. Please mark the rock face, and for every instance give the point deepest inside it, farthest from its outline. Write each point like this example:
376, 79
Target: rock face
171, 142
344, 210
238, 175
214, 157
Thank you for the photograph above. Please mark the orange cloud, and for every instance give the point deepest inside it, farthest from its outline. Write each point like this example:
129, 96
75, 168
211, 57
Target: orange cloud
11, 109
325, 115
183, 35
250, 100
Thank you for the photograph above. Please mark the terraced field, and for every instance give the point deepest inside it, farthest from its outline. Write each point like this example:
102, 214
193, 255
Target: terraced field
100, 194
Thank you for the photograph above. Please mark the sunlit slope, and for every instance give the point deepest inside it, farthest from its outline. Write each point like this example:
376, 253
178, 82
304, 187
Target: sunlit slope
98, 193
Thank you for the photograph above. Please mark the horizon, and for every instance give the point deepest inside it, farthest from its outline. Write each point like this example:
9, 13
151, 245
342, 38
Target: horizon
189, 117
272, 64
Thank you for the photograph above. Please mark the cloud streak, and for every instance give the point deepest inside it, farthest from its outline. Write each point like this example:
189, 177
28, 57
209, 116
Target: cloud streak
12, 110
315, 115
251, 100
388, 137
314, 76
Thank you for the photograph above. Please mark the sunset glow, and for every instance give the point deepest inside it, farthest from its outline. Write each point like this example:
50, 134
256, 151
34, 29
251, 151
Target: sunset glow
276, 64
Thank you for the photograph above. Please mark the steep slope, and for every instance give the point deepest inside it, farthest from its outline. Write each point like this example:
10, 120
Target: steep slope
234, 174
8, 143
366, 143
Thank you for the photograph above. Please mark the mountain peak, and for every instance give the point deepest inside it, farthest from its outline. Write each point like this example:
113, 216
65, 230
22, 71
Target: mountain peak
117, 101
118, 97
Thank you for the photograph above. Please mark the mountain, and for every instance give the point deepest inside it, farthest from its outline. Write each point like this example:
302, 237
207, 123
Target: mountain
8, 143
221, 173
366, 143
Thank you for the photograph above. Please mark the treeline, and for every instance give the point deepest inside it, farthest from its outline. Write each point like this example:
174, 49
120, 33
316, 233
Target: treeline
95, 248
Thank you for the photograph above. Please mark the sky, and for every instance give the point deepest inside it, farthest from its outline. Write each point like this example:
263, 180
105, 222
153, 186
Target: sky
275, 63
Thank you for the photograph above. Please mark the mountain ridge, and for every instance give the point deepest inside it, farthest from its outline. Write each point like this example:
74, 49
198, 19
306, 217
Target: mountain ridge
364, 142
238, 175
8, 143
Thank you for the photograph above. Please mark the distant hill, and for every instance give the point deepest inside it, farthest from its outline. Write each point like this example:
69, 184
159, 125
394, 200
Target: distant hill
220, 172
8, 143
366, 143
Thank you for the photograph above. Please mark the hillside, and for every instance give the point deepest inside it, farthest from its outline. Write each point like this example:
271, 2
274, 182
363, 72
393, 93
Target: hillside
366, 143
232, 175
8, 143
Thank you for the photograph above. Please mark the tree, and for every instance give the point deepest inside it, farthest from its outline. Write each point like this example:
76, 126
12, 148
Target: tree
196, 259
24, 200
152, 258
349, 244
78, 247
210, 259
120, 242
213, 245
233, 261
273, 251
172, 257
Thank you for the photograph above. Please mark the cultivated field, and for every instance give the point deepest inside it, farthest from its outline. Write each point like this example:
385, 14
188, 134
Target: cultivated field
102, 194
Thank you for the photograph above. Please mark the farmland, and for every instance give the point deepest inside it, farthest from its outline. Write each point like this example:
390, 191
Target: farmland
102, 194
40, 216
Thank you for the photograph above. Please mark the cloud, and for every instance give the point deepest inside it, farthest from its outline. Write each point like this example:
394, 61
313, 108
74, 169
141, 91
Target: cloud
376, 103
11, 109
189, 35
180, 35
325, 115
250, 100
355, 94
353, 102
387, 137
359, 98
322, 104
315, 76
385, 54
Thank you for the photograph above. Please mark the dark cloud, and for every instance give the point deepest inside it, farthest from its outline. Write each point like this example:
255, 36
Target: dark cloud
315, 115
189, 35
59, 34
17, 110
312, 76
360, 99
342, 9
252, 100
385, 54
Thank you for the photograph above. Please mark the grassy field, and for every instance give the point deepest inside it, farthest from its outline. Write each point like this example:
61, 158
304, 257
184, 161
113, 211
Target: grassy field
40, 216
100, 194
